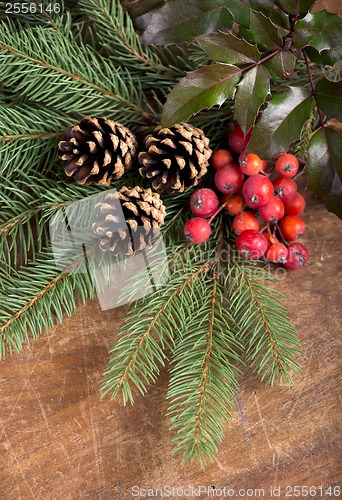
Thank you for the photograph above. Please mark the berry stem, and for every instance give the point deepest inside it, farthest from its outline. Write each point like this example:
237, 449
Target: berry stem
312, 84
220, 208
280, 233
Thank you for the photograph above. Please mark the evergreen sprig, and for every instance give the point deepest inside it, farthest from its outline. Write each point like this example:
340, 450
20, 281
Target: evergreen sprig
37, 294
270, 347
57, 69
118, 37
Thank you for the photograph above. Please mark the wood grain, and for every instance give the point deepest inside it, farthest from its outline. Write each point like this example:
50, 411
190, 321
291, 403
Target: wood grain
58, 440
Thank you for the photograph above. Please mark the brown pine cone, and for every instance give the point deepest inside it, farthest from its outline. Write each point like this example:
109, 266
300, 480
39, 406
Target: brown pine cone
128, 220
97, 150
175, 158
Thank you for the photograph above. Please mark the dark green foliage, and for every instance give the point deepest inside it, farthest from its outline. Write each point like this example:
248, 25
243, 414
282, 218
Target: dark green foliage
324, 167
271, 42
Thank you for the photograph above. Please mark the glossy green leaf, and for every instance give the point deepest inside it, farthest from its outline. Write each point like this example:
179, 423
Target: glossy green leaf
296, 7
329, 98
140, 7
264, 32
228, 48
178, 21
282, 64
271, 10
325, 57
251, 94
239, 9
322, 30
324, 168
281, 122
200, 89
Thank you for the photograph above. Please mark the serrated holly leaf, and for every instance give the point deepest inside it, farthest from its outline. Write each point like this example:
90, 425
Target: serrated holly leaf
239, 9
328, 97
251, 94
228, 48
325, 57
271, 10
282, 64
296, 7
324, 168
322, 30
264, 32
200, 89
179, 21
281, 122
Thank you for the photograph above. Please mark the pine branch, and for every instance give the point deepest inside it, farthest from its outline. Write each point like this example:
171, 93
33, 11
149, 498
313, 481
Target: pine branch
45, 66
22, 236
31, 297
26, 208
203, 378
118, 37
149, 329
28, 136
265, 329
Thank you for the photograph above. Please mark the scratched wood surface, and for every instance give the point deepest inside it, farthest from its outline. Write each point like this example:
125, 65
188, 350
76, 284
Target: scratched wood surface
58, 440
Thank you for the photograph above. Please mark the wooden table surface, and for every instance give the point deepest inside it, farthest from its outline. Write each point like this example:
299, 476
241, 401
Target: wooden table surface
58, 440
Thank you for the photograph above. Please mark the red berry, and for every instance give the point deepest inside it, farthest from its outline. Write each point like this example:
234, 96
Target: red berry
203, 202
284, 188
233, 204
237, 140
273, 210
257, 190
264, 165
229, 179
244, 221
277, 253
250, 164
197, 230
292, 227
251, 244
221, 158
296, 205
297, 257
287, 165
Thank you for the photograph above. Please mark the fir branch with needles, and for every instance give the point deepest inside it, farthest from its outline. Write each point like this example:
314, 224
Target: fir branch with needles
56, 70
37, 294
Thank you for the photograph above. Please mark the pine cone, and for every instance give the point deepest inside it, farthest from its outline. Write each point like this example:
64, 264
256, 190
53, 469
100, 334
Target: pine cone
176, 157
97, 150
144, 213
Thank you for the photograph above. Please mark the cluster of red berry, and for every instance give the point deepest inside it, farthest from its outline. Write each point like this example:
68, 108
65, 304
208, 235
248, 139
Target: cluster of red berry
250, 193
